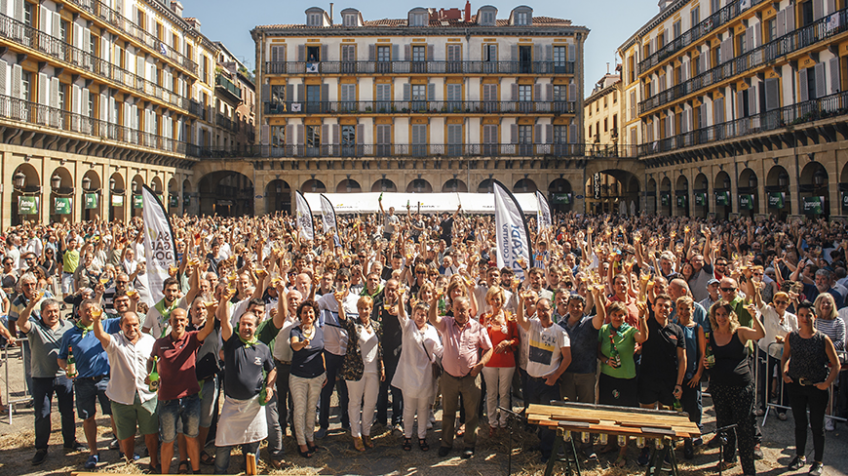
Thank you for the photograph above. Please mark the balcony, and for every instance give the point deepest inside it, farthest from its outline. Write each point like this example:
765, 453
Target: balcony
99, 10
766, 54
456, 151
223, 84
226, 122
801, 113
421, 107
711, 23
197, 109
422, 67
74, 57
63, 121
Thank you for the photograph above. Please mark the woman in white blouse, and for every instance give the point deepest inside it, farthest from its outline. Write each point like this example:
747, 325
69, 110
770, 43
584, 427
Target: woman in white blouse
421, 347
778, 324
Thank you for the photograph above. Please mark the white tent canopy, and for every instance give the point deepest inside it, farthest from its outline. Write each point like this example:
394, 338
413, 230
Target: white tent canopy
366, 202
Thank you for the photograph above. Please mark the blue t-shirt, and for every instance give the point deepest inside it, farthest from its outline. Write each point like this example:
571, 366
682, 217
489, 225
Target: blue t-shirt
91, 359
690, 335
584, 345
308, 361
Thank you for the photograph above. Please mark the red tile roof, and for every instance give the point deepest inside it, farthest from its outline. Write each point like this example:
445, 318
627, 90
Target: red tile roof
397, 22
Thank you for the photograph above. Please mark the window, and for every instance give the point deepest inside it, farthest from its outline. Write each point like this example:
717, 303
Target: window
590, 130
490, 58
419, 139
771, 30
490, 139
384, 139
806, 14
716, 6
314, 19
676, 30
419, 19
487, 18
27, 13
525, 140
525, 93
26, 91
419, 53
811, 84
559, 59
348, 140
383, 96
614, 123
454, 140
694, 17
454, 97
348, 97
454, 59
384, 53
606, 125
606, 105
418, 97
313, 140
278, 136
614, 97
350, 20
522, 18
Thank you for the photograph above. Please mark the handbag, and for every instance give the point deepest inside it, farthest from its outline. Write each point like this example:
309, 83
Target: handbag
436, 366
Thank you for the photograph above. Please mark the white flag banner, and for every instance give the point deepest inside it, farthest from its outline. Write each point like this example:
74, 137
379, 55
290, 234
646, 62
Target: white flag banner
158, 243
543, 212
513, 238
328, 214
304, 217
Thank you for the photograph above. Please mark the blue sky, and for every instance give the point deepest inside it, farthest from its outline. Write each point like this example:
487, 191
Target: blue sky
611, 21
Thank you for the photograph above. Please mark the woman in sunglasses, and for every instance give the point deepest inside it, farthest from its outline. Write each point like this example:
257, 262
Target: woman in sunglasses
777, 322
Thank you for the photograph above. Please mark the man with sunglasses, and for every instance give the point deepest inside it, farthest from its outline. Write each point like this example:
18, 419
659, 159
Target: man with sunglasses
122, 282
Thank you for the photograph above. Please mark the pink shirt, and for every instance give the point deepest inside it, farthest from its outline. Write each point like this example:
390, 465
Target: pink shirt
462, 345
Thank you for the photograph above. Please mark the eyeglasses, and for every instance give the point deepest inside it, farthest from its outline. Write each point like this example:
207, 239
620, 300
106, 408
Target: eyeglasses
728, 290
721, 264
778, 303
122, 282
420, 272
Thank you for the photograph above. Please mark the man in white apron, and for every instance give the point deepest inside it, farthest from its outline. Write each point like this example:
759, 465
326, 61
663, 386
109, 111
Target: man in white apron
248, 384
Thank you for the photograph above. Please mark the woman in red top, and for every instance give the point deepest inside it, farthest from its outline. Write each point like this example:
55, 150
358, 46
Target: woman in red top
503, 332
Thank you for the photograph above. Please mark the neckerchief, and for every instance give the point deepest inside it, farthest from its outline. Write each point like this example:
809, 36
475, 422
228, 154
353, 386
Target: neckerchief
248, 343
85, 329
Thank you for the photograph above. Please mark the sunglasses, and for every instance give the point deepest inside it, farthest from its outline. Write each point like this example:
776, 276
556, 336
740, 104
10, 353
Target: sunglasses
728, 290
781, 302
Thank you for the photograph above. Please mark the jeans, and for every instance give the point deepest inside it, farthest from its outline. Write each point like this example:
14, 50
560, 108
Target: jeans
283, 395
539, 392
172, 412
305, 393
222, 456
391, 364
43, 389
802, 398
363, 399
452, 388
208, 401
498, 381
275, 431
334, 380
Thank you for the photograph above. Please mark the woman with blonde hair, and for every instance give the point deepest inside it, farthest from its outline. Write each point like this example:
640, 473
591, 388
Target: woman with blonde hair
497, 373
829, 323
777, 322
731, 382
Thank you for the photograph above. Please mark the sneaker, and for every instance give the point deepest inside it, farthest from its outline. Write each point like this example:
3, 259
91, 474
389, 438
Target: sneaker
444, 450
136, 456
644, 457
688, 450
829, 424
758, 452
40, 456
697, 441
797, 463
321, 433
817, 469
469, 452
92, 461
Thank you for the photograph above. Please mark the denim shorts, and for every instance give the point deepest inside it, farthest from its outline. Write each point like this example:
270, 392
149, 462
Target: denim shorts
181, 415
88, 392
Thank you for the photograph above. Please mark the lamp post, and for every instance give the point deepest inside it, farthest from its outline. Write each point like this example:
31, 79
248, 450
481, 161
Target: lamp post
86, 184
55, 182
19, 181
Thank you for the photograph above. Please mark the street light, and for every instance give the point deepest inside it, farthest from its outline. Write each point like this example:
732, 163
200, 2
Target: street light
135, 187
56, 182
726, 182
752, 181
86, 184
19, 180
819, 178
783, 179
112, 184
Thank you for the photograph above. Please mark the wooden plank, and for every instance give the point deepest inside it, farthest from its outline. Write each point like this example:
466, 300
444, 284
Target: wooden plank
576, 418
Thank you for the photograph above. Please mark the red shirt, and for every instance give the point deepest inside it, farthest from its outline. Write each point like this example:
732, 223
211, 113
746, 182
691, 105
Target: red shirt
496, 335
632, 316
176, 365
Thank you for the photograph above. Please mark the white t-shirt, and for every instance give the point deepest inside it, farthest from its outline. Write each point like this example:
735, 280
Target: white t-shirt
368, 348
544, 348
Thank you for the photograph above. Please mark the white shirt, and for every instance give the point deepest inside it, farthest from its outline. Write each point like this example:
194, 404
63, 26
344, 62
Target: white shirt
335, 336
282, 345
414, 374
154, 320
128, 368
544, 354
773, 328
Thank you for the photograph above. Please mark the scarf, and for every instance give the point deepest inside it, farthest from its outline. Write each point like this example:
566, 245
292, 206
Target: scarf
248, 343
85, 329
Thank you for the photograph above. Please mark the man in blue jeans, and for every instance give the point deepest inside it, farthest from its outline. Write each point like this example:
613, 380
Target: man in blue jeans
44, 333
179, 392
92, 372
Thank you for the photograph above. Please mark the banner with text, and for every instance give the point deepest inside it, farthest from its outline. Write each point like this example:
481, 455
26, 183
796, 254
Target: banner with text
543, 212
513, 238
159, 249
90, 201
304, 217
777, 199
28, 205
814, 205
62, 206
328, 219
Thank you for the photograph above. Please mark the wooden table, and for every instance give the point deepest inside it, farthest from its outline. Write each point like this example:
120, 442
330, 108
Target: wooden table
569, 419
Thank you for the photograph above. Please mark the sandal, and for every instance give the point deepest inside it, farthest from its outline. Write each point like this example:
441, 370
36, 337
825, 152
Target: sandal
313, 448
183, 468
206, 460
305, 454
461, 431
621, 461
407, 444
357, 443
422, 443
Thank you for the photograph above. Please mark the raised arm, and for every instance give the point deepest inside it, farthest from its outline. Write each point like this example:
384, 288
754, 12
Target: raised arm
23, 318
520, 314
99, 332
224, 316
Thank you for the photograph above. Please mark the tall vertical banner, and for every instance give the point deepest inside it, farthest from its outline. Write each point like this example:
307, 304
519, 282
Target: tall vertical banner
304, 217
513, 238
328, 219
543, 212
159, 248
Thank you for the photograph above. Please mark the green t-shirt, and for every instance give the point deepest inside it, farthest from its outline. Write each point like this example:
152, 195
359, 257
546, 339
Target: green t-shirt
70, 261
266, 333
625, 342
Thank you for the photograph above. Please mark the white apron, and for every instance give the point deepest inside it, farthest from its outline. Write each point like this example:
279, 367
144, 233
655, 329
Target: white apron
243, 422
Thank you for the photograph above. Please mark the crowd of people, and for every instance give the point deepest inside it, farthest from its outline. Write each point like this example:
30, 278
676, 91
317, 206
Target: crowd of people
396, 314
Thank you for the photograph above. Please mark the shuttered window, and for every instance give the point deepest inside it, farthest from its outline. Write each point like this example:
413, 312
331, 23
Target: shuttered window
454, 140
419, 139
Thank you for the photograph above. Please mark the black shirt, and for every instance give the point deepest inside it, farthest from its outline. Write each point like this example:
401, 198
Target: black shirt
659, 352
243, 379
308, 361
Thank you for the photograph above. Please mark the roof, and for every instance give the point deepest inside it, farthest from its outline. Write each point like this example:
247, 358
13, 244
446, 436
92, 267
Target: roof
396, 22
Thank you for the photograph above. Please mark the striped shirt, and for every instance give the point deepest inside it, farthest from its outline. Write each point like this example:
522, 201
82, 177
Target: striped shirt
833, 328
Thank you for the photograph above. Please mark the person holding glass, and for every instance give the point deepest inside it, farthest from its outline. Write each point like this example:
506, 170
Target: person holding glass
308, 375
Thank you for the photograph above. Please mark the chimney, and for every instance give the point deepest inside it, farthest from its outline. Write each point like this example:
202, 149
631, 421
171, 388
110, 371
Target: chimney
177, 7
193, 22
331, 14
467, 11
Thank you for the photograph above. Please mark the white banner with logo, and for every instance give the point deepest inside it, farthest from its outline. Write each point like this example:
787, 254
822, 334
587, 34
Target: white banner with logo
513, 238
159, 249
543, 212
304, 217
437, 202
328, 215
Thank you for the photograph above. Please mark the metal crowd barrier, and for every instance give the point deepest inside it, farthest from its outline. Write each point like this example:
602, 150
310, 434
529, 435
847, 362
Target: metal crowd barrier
10, 404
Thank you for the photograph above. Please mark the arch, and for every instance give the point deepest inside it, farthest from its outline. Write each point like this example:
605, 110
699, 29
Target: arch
612, 191
651, 196
156, 185
278, 196
701, 182
681, 193
348, 186
525, 185
559, 185
486, 186
682, 184
384, 185
814, 183
700, 202
666, 196
777, 190
314, 186
560, 195
136, 185
227, 193
117, 197
454, 185
748, 196
31, 188
722, 181
419, 185
91, 200
65, 190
